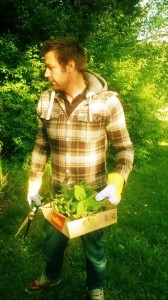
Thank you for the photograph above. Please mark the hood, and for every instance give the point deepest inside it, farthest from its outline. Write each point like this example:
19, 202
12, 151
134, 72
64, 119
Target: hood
96, 84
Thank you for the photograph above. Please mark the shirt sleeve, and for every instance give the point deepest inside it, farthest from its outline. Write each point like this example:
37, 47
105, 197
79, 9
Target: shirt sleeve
40, 152
118, 135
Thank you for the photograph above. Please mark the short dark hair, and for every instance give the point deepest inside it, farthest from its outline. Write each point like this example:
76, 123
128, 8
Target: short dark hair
66, 49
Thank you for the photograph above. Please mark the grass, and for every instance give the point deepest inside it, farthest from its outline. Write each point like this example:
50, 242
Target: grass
136, 246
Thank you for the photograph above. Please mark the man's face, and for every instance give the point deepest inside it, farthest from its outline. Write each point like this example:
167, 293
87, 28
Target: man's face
55, 73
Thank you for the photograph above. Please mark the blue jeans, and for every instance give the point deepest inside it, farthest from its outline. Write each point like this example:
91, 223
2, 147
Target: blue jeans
54, 247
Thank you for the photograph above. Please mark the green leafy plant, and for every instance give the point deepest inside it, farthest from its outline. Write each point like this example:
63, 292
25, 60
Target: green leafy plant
77, 201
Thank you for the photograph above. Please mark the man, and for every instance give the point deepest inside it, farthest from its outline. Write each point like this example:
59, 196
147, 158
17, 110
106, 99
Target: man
77, 119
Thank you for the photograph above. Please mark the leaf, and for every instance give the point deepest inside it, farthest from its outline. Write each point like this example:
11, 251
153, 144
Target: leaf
80, 208
79, 193
93, 205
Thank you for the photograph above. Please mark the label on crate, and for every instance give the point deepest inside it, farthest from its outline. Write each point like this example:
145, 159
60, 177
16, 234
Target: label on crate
58, 220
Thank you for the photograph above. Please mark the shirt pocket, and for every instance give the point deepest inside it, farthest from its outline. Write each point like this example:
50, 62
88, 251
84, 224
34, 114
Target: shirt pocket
90, 129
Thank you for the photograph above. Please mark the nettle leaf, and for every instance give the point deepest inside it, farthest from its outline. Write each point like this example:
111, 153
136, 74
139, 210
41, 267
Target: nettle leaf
81, 209
79, 193
74, 207
93, 205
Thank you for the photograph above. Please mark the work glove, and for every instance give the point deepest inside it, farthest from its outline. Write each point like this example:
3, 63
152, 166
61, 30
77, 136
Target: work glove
113, 189
108, 192
33, 197
35, 200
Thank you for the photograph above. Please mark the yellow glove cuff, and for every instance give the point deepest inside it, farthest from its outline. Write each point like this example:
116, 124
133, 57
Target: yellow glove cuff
118, 181
34, 187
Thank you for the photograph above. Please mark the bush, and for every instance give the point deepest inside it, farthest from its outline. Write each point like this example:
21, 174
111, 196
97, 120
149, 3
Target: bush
22, 84
132, 73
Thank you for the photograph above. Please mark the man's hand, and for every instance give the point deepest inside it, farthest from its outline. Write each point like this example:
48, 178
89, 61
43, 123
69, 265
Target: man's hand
108, 192
113, 190
34, 200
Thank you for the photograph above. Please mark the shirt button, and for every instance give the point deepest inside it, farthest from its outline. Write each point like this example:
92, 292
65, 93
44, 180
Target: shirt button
67, 171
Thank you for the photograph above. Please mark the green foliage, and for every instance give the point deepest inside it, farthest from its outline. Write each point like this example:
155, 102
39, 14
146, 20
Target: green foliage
154, 22
78, 201
36, 20
143, 92
21, 77
128, 65
4, 184
132, 72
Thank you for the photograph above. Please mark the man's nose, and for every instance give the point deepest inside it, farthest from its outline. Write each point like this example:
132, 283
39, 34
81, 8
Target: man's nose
47, 73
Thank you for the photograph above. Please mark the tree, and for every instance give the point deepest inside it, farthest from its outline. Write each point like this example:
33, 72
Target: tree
108, 30
154, 24
21, 77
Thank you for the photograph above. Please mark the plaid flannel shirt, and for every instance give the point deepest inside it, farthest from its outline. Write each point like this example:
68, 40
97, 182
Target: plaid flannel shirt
78, 143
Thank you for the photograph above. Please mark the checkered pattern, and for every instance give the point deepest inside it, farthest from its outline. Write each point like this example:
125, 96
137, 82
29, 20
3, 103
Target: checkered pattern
78, 143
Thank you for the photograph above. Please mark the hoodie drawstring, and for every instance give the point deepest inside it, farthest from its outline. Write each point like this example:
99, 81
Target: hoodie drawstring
90, 95
50, 105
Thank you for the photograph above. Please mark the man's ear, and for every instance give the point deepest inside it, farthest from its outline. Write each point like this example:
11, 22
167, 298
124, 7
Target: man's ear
70, 66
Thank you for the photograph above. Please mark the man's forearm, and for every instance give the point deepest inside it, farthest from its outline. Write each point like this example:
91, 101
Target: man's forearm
39, 158
124, 161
